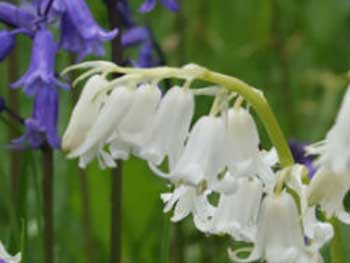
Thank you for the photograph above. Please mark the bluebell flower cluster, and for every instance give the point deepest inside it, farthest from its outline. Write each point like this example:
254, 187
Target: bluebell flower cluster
79, 33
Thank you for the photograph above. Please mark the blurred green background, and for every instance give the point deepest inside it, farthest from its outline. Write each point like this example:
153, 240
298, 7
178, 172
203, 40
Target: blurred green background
297, 52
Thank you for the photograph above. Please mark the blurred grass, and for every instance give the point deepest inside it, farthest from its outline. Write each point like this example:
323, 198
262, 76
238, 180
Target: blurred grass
295, 51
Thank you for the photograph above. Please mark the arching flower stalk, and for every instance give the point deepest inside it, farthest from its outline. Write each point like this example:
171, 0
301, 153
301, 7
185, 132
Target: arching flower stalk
260, 192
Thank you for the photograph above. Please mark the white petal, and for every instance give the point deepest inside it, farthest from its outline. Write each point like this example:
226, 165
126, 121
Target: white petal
115, 107
170, 127
4, 255
279, 237
140, 115
329, 190
236, 217
84, 114
205, 154
243, 135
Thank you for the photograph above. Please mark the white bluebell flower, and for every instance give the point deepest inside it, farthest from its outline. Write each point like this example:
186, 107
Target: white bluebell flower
205, 155
114, 108
84, 114
332, 180
169, 130
131, 133
279, 235
245, 157
237, 213
187, 201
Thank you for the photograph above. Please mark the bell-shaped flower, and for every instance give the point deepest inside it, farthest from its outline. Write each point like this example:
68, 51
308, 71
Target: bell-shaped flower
79, 31
329, 190
84, 114
148, 5
131, 133
170, 127
279, 236
15, 16
243, 135
205, 155
41, 70
115, 107
42, 126
237, 213
187, 200
245, 157
5, 257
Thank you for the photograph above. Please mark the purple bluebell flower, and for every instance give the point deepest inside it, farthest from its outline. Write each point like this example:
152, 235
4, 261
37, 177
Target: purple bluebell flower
41, 72
79, 31
7, 40
141, 36
146, 58
126, 13
135, 36
42, 126
148, 5
16, 16
301, 157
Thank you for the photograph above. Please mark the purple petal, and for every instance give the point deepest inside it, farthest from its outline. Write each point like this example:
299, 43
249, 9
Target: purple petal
147, 6
42, 64
134, 36
33, 136
126, 13
300, 156
79, 31
7, 41
42, 126
15, 16
2, 104
46, 113
146, 59
171, 5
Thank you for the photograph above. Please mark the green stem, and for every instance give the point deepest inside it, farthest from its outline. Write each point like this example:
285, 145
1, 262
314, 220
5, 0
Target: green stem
166, 237
48, 200
337, 251
262, 108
